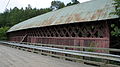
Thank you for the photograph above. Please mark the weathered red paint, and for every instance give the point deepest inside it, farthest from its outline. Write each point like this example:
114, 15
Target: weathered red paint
88, 35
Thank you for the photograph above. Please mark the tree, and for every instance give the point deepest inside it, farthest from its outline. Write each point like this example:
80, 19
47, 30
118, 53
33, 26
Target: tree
57, 5
117, 7
75, 1
69, 4
116, 27
3, 31
16, 15
116, 30
72, 3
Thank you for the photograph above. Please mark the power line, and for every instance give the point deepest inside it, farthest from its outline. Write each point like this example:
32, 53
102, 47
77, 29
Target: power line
7, 4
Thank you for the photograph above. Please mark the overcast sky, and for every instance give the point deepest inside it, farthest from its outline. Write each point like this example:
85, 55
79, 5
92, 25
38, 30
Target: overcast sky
33, 3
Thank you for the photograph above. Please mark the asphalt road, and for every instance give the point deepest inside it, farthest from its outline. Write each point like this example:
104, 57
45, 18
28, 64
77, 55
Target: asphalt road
10, 57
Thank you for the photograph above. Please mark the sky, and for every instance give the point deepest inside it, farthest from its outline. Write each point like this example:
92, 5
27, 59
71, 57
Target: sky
34, 3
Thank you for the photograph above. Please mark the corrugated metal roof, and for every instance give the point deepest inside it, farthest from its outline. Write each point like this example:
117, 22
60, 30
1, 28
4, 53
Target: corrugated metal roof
88, 11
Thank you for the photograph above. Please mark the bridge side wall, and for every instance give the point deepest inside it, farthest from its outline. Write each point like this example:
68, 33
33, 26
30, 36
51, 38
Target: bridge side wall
93, 34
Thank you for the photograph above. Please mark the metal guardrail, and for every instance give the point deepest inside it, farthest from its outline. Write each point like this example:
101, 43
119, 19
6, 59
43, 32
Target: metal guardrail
79, 47
102, 56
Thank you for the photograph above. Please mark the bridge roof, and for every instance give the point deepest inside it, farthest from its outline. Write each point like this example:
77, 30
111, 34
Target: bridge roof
87, 11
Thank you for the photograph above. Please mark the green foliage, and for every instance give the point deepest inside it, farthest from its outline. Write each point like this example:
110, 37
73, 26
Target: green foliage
15, 15
74, 2
92, 44
116, 31
117, 7
116, 27
3, 33
57, 4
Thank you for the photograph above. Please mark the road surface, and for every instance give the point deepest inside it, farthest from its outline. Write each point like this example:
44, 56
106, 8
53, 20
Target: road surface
10, 57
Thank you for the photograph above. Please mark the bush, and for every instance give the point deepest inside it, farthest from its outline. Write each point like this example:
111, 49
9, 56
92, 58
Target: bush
3, 31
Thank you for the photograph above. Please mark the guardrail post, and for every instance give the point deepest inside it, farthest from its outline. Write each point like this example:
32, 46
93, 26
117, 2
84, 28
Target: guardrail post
81, 49
105, 62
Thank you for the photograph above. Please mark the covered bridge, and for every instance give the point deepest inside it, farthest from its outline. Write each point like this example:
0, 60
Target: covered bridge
85, 24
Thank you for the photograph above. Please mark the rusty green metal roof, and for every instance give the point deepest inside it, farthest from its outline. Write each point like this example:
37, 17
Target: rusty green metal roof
87, 11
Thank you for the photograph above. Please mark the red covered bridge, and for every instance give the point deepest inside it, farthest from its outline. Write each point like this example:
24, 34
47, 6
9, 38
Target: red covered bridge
85, 24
